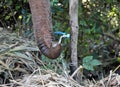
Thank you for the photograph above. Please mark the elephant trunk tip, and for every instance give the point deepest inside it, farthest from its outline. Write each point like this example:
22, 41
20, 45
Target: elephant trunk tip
53, 52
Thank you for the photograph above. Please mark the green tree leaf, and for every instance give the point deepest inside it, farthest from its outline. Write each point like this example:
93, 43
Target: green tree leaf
87, 59
95, 62
89, 62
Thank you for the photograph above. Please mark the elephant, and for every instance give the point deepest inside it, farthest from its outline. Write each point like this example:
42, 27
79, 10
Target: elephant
42, 25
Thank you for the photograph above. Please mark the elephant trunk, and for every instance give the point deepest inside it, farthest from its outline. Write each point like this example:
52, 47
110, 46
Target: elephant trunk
42, 24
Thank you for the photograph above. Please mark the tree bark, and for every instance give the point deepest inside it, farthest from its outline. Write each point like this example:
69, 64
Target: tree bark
42, 24
73, 13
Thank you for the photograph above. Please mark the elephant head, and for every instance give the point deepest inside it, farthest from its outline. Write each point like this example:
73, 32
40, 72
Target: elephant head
42, 24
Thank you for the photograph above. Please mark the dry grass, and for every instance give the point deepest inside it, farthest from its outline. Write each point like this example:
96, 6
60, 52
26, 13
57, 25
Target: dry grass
19, 67
43, 78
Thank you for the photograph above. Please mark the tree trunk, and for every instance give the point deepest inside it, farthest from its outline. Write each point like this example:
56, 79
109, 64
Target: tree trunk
42, 24
73, 13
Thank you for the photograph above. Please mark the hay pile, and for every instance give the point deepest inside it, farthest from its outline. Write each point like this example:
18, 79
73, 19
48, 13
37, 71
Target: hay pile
43, 78
48, 78
113, 80
19, 67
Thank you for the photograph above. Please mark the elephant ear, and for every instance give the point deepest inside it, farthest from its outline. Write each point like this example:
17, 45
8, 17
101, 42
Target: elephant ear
42, 24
